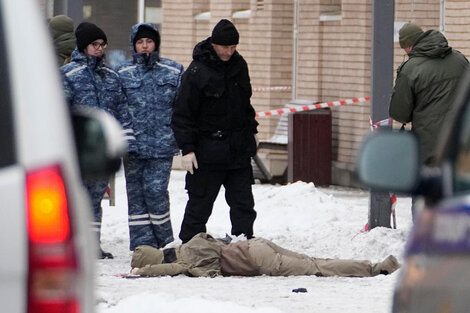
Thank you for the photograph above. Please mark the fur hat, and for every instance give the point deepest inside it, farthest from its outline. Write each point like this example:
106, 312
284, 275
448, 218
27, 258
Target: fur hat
86, 33
225, 34
147, 32
408, 34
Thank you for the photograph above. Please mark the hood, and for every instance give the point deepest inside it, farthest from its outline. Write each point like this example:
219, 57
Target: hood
146, 255
431, 44
134, 30
61, 24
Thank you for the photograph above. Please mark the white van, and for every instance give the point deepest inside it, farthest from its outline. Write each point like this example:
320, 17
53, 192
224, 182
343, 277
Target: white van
47, 250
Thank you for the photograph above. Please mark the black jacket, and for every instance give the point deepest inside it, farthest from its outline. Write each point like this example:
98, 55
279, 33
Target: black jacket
213, 116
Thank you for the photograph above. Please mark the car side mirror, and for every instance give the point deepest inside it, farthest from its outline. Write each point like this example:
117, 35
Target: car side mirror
99, 142
389, 161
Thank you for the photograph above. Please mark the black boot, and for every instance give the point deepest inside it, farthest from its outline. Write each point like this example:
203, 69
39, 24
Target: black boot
105, 255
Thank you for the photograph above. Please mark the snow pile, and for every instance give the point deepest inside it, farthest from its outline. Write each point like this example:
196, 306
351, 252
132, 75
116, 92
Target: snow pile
321, 222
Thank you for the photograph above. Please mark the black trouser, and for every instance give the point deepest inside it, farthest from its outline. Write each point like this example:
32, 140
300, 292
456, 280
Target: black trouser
203, 187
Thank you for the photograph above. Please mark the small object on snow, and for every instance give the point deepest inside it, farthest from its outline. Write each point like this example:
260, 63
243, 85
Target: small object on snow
297, 290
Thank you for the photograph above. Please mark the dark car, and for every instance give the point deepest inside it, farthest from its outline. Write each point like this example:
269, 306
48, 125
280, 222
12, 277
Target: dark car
436, 272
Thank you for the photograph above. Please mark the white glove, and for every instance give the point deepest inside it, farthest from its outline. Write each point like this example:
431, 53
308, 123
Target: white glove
189, 162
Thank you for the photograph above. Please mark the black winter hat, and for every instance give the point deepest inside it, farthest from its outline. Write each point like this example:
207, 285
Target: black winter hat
225, 34
86, 33
147, 32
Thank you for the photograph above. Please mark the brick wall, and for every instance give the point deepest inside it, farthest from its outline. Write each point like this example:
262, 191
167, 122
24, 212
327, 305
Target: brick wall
334, 54
457, 26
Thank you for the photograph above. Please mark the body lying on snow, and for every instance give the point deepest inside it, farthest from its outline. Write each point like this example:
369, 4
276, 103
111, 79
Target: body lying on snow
205, 256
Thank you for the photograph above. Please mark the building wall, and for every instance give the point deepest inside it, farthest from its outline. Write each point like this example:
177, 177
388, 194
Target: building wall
333, 55
334, 64
457, 25
334, 52
265, 43
115, 18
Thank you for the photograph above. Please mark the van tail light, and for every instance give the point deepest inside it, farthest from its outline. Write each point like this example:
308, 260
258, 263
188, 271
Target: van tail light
53, 265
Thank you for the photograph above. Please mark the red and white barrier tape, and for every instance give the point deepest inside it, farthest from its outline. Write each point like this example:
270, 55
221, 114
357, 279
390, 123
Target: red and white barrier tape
274, 88
312, 107
376, 125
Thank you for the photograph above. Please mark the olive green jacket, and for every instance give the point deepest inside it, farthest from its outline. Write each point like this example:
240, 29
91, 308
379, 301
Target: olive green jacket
425, 88
199, 257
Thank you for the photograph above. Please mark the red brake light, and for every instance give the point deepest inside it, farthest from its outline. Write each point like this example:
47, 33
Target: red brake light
53, 266
48, 218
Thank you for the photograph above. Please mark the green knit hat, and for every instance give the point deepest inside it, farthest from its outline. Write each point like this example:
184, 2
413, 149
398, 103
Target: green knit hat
408, 34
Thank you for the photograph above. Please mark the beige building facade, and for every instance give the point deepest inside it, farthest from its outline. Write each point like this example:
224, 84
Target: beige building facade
320, 49
315, 50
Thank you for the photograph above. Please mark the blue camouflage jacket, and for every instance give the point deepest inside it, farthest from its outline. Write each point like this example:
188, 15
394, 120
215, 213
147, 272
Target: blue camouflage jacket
88, 81
151, 84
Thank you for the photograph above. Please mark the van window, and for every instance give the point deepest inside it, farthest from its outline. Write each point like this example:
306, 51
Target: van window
7, 143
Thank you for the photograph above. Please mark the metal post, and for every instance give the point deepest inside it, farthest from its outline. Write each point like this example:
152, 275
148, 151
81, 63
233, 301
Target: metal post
141, 11
381, 84
294, 49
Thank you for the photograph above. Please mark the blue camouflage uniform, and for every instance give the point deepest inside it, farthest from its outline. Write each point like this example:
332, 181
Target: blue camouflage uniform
150, 83
88, 81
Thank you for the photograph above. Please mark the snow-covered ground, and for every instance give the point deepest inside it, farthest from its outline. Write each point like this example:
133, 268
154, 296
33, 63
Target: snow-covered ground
321, 222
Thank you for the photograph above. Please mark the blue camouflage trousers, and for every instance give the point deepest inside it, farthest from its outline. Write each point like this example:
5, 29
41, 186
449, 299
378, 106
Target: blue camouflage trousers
96, 190
148, 201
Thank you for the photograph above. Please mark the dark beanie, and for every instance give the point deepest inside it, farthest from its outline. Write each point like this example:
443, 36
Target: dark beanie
147, 32
408, 34
225, 34
87, 33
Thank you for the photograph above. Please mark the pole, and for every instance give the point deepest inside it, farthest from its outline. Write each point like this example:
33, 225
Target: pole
381, 84
141, 11
295, 33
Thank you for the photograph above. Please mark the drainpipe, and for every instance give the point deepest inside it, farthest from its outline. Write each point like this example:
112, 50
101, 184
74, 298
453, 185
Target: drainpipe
442, 15
294, 49
141, 11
